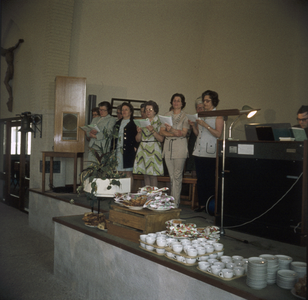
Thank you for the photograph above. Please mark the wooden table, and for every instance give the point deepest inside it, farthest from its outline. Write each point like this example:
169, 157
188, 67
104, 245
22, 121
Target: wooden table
53, 154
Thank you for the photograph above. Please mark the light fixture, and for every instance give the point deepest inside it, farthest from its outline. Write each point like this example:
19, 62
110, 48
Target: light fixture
246, 110
27, 119
224, 113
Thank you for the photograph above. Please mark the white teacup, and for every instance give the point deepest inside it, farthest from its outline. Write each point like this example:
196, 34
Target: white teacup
203, 258
160, 250
240, 263
212, 260
170, 254
201, 240
239, 271
149, 247
192, 252
152, 234
209, 248
177, 248
213, 255
226, 273
190, 260
142, 245
237, 257
211, 242
150, 240
175, 243
220, 264
161, 242
203, 265
180, 258
218, 246
201, 251
216, 269
186, 247
169, 241
143, 237
230, 265
220, 254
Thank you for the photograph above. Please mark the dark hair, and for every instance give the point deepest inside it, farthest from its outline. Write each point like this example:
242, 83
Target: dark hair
213, 95
131, 108
119, 107
95, 109
303, 109
153, 104
108, 106
182, 99
142, 105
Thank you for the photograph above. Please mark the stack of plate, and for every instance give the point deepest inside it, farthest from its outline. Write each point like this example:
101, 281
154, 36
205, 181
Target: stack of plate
299, 267
284, 262
257, 273
272, 267
286, 279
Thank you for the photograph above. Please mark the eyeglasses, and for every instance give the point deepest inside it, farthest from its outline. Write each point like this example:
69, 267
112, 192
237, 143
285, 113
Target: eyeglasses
149, 109
207, 101
101, 109
302, 120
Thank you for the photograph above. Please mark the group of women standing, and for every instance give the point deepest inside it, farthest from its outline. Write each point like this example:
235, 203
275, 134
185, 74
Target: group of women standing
139, 150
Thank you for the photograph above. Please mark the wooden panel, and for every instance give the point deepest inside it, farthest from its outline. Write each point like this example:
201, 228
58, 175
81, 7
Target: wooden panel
124, 232
70, 105
127, 219
146, 220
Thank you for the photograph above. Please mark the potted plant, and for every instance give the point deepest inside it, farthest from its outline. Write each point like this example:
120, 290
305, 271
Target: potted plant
101, 178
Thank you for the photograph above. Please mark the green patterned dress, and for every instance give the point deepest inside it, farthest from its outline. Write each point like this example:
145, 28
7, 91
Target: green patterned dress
148, 159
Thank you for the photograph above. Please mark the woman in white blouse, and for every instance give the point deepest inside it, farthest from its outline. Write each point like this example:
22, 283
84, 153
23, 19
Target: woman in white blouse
208, 130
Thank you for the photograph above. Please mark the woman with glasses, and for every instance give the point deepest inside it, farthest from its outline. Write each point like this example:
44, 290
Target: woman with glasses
208, 130
175, 146
106, 121
149, 161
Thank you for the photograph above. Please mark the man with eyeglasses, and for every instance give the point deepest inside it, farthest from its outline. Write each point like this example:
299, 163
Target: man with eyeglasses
302, 118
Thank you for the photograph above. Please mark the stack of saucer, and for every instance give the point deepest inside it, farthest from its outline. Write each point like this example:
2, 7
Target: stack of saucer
257, 273
284, 261
272, 267
286, 279
299, 267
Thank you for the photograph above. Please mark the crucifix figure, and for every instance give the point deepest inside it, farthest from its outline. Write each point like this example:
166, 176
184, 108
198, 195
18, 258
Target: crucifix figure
9, 58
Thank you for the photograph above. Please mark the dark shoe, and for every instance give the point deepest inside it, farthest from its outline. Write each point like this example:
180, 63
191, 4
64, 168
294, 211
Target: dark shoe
200, 209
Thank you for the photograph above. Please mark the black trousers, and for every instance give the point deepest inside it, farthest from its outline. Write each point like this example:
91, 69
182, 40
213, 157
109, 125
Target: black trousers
205, 169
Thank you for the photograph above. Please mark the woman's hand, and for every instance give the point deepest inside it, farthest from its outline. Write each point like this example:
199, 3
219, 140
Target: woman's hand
150, 128
168, 127
93, 131
92, 135
191, 123
139, 129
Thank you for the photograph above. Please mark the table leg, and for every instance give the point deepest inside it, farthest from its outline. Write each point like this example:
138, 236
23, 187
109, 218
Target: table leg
75, 174
51, 173
193, 196
43, 172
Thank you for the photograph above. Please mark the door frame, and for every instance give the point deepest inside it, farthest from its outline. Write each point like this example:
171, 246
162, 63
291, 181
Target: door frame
13, 200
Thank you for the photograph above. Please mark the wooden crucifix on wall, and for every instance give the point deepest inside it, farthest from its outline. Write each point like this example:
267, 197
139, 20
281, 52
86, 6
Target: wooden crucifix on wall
9, 58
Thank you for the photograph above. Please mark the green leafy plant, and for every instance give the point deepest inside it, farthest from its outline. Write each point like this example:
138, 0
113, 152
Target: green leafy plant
104, 165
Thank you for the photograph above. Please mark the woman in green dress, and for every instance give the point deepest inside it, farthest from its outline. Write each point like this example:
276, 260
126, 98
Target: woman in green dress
148, 159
